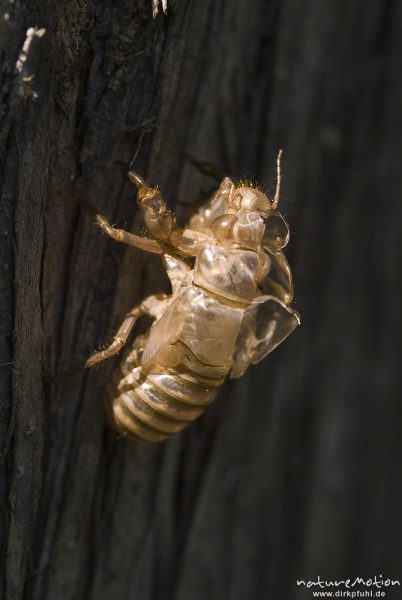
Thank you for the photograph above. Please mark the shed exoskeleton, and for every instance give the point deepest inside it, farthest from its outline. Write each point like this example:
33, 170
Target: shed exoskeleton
229, 307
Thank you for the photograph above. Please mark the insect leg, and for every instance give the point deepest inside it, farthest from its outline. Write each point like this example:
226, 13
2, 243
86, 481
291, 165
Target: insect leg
159, 220
119, 339
126, 237
206, 168
148, 307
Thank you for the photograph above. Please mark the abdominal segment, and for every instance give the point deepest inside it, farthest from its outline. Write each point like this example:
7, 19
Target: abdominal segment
163, 400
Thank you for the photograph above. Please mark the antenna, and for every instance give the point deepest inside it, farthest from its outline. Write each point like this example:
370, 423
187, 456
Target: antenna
275, 201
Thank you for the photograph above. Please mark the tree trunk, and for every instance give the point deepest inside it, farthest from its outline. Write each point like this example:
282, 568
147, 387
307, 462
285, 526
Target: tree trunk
294, 472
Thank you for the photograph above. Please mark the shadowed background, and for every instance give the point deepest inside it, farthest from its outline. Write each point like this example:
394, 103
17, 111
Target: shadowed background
294, 472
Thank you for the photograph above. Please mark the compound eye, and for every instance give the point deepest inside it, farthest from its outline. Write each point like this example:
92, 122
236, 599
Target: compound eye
276, 234
222, 227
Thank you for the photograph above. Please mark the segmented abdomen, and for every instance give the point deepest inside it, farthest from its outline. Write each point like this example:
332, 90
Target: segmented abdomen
161, 403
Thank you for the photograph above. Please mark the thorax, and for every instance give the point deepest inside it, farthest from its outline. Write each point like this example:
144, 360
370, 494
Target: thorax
228, 271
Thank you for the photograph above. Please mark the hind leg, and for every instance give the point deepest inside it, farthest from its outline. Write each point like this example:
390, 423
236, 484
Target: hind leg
153, 306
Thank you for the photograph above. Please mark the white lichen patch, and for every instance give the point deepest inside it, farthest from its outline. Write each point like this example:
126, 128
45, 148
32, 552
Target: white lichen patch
156, 6
21, 67
32, 32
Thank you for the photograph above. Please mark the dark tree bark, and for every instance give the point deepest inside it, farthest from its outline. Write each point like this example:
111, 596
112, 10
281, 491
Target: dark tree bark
295, 470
